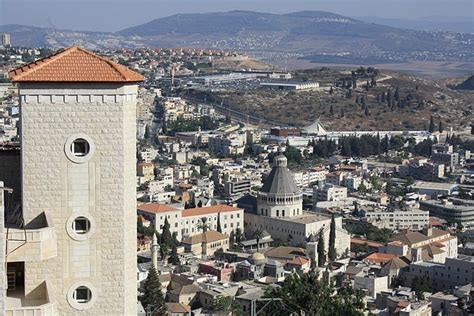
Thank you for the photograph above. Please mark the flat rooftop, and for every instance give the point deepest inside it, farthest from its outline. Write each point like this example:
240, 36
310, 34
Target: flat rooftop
433, 185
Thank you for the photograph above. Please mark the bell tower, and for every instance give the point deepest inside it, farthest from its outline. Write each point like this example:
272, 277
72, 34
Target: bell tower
78, 174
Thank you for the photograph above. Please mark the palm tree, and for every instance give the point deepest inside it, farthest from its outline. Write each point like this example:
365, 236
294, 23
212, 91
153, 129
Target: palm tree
258, 234
203, 224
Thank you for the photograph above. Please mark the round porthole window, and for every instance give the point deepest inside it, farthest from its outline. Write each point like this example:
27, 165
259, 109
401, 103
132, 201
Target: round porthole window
80, 226
79, 148
81, 295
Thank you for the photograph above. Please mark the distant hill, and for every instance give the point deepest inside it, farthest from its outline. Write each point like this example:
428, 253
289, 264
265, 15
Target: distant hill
306, 33
314, 35
433, 23
23, 35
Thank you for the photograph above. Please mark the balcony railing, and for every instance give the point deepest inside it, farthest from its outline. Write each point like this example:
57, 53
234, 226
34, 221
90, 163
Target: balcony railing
38, 302
34, 242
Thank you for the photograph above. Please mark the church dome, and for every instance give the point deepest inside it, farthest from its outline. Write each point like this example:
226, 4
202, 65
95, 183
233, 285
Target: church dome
257, 257
280, 180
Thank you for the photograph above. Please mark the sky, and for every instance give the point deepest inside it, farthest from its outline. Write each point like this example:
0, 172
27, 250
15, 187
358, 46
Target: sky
114, 15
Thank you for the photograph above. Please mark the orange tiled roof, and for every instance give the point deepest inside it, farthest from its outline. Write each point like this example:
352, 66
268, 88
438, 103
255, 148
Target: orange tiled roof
369, 243
378, 257
221, 208
74, 64
299, 261
207, 237
155, 208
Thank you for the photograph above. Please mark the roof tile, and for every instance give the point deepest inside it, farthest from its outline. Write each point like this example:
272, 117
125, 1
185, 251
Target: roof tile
74, 64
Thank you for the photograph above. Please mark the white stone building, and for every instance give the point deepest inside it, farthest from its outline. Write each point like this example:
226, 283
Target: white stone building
398, 219
78, 181
329, 192
185, 222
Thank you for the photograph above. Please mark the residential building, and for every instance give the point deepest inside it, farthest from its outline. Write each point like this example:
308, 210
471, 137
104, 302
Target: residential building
5, 40
453, 273
329, 192
433, 189
236, 187
431, 244
397, 219
226, 145
371, 284
451, 209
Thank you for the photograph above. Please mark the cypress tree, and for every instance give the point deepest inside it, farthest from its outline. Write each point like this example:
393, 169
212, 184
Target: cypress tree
378, 145
153, 296
440, 127
321, 252
366, 111
432, 125
331, 110
174, 257
219, 228
166, 233
332, 240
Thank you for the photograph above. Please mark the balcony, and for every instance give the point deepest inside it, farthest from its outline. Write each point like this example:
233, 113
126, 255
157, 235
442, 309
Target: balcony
34, 242
38, 302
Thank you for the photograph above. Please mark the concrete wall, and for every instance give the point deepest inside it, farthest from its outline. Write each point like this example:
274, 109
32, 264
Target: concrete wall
101, 188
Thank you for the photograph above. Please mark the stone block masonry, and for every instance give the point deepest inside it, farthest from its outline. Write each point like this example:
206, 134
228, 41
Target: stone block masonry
101, 187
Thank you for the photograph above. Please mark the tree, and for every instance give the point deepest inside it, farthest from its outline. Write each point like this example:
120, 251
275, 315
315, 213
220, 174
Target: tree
362, 188
166, 233
472, 129
397, 95
258, 234
203, 224
219, 228
227, 305
199, 203
321, 252
238, 235
432, 125
153, 296
440, 127
174, 257
332, 254
463, 238
331, 90
331, 110
309, 295
366, 111
420, 285
342, 112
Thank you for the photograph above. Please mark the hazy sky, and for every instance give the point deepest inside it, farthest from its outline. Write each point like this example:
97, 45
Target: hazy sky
113, 15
